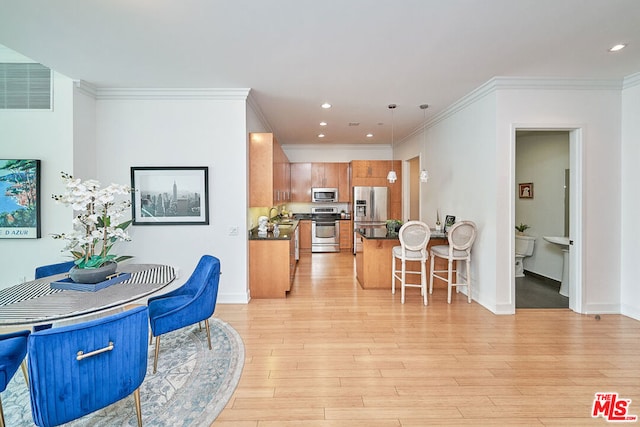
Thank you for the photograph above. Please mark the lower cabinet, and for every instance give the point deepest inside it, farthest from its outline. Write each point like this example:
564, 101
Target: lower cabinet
346, 236
305, 235
272, 267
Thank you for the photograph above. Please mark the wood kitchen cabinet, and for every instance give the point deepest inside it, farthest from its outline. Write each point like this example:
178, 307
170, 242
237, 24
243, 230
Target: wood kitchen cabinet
270, 267
301, 182
269, 172
305, 235
346, 236
305, 176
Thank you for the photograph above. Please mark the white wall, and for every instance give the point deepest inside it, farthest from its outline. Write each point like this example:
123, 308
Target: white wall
48, 136
594, 107
336, 152
630, 212
163, 128
461, 159
541, 158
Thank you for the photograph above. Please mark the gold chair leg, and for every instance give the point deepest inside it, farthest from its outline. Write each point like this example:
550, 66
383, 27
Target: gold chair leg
1, 415
136, 398
23, 365
206, 324
155, 359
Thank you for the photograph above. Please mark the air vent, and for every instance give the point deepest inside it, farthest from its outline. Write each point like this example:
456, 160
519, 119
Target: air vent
25, 86
354, 124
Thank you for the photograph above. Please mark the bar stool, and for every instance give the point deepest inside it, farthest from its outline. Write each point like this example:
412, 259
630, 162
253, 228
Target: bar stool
461, 236
414, 237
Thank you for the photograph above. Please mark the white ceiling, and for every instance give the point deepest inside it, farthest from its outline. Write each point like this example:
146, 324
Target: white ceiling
359, 55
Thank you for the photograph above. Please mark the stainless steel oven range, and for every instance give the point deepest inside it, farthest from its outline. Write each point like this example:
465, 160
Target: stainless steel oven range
325, 229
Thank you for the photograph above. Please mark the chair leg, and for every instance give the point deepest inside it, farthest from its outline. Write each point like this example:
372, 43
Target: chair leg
423, 280
136, 398
155, 359
393, 274
403, 279
23, 365
449, 282
206, 324
1, 414
431, 274
468, 280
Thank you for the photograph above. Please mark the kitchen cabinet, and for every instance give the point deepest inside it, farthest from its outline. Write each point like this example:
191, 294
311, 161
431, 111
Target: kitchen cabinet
305, 176
324, 175
269, 172
301, 182
373, 173
346, 235
305, 235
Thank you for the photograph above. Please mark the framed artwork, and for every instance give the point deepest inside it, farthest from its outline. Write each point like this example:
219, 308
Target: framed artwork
19, 199
449, 220
525, 190
170, 195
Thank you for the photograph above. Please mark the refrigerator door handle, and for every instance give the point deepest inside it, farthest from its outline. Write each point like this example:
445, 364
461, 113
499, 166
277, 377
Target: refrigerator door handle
372, 204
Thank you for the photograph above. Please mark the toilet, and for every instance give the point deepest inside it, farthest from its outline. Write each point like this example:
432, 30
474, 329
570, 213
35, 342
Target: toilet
524, 247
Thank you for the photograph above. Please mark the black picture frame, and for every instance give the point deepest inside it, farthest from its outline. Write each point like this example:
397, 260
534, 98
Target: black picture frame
170, 195
20, 199
449, 220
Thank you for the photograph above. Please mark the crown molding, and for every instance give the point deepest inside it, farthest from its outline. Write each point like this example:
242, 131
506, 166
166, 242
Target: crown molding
235, 94
523, 83
251, 102
631, 81
85, 88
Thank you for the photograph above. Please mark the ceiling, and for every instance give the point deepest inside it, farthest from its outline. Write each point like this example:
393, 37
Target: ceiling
358, 55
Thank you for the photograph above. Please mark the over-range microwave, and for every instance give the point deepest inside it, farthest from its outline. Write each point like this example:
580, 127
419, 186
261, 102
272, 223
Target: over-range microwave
324, 195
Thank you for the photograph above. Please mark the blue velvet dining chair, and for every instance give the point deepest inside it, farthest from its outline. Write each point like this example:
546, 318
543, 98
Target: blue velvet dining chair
77, 369
51, 269
193, 302
13, 349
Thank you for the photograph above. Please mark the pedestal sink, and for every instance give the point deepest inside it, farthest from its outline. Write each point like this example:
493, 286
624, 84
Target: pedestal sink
564, 243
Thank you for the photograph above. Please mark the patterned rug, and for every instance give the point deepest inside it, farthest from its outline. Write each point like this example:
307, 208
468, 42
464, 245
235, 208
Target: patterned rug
192, 386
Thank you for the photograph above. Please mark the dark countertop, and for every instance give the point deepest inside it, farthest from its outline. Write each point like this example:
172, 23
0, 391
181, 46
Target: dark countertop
382, 233
307, 216
286, 232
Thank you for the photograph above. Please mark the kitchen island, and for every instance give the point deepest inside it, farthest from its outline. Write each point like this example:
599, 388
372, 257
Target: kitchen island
373, 256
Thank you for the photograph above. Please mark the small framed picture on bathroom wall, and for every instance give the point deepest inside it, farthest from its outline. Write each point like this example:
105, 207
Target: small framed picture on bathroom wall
526, 190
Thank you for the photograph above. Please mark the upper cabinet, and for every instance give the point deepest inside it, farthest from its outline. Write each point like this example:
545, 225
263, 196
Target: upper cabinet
269, 172
305, 176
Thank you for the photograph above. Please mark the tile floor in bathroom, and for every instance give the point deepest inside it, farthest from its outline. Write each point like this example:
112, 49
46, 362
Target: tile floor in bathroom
533, 291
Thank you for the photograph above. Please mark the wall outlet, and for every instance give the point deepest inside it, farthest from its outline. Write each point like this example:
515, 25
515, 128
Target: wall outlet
233, 230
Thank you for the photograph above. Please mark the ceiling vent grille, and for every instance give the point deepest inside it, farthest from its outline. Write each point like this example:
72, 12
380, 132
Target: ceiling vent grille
25, 86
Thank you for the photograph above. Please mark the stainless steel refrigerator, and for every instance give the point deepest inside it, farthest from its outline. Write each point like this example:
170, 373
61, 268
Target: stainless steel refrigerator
370, 208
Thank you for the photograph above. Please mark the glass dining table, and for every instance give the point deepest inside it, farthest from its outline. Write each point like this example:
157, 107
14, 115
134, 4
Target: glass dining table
35, 303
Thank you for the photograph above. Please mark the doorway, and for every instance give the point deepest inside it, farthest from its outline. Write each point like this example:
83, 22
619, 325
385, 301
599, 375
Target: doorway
548, 165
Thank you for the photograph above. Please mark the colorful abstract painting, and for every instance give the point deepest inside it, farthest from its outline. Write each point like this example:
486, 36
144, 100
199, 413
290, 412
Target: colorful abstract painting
19, 199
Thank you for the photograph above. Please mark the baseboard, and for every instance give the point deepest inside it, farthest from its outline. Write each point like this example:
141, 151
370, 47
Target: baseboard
549, 280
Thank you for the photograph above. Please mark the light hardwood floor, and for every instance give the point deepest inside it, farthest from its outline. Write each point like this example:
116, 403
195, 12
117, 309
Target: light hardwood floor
333, 354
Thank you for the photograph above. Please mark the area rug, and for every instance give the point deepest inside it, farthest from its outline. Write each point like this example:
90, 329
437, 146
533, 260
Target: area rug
192, 386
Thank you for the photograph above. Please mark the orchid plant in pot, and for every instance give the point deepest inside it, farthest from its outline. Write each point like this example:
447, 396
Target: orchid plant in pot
97, 226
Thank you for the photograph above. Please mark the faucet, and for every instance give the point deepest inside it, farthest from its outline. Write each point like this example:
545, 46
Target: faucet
269, 215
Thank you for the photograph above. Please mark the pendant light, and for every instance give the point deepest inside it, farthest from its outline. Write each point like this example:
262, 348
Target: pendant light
391, 176
424, 174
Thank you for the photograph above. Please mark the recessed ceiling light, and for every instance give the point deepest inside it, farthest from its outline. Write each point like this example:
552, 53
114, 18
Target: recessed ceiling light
617, 47
369, 135
323, 123
321, 135
326, 105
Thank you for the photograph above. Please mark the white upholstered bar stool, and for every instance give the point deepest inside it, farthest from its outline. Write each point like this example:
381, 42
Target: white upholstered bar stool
414, 237
461, 236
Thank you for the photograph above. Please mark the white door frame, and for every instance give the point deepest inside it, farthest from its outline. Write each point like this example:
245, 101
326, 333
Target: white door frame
576, 174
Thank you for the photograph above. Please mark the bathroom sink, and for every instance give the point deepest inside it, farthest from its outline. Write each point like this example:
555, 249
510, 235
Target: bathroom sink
561, 241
